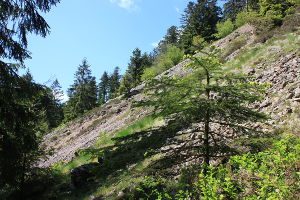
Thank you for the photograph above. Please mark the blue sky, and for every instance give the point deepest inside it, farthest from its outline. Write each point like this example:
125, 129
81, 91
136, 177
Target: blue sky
103, 31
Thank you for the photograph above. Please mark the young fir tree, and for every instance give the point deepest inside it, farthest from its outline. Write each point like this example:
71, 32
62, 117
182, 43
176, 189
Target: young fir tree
18, 140
83, 93
103, 88
208, 96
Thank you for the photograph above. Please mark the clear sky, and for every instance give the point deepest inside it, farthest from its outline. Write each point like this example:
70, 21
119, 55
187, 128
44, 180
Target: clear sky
103, 31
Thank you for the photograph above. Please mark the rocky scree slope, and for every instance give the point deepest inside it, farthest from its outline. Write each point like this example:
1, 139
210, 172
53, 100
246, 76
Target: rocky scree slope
276, 62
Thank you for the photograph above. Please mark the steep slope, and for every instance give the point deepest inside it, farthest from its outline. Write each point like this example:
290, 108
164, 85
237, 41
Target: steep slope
276, 62
82, 133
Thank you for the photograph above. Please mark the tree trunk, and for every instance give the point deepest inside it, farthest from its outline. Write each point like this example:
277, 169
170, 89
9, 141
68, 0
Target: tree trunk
206, 138
22, 183
206, 125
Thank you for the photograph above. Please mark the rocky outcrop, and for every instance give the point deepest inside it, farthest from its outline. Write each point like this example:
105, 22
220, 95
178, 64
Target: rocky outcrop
282, 98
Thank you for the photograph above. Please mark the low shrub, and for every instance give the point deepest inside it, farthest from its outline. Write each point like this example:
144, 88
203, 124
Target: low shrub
271, 174
150, 188
244, 17
171, 57
291, 22
224, 28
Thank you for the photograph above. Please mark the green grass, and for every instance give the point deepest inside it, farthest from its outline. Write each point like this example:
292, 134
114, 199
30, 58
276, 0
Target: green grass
65, 168
118, 180
106, 139
259, 53
141, 125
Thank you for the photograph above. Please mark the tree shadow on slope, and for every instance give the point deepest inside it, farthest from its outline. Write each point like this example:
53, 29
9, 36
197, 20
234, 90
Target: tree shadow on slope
176, 147
127, 151
131, 149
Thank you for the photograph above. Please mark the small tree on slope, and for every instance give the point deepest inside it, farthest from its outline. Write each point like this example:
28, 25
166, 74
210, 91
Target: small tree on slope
208, 96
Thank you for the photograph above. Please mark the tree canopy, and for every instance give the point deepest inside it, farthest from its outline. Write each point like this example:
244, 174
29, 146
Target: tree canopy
19, 95
83, 92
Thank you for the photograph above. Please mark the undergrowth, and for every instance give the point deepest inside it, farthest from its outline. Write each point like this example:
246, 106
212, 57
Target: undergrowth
271, 174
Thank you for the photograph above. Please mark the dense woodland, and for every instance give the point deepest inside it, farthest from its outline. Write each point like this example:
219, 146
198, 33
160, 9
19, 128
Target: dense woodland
210, 95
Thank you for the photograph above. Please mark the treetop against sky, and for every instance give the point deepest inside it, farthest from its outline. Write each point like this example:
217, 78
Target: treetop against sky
104, 31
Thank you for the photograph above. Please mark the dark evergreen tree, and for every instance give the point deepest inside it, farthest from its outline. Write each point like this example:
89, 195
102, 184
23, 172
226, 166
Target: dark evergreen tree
18, 140
199, 19
172, 36
55, 95
233, 7
138, 62
57, 91
103, 88
83, 93
135, 67
114, 83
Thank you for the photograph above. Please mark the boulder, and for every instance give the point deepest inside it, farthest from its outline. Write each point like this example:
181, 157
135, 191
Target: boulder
297, 93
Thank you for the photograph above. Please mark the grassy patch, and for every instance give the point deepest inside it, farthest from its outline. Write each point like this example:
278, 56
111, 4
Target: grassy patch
141, 125
77, 161
104, 140
262, 53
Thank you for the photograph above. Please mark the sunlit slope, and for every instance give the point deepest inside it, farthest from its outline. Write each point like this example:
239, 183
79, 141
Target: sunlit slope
275, 62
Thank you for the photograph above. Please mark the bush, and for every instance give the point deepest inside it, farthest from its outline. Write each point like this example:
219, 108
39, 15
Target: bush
244, 18
291, 22
264, 29
263, 24
224, 28
150, 188
271, 174
171, 57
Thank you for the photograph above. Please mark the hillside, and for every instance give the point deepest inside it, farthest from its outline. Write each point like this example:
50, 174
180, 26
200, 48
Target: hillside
141, 145
275, 62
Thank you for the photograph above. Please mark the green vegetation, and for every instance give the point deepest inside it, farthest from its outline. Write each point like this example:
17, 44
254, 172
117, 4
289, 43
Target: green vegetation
171, 57
235, 45
199, 19
233, 8
140, 125
251, 55
140, 158
244, 18
82, 94
224, 28
271, 174
209, 95
23, 102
